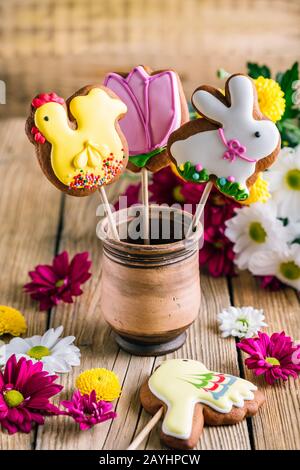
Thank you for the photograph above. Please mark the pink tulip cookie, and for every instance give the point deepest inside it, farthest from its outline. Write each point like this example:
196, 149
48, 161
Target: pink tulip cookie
156, 107
79, 144
231, 143
191, 396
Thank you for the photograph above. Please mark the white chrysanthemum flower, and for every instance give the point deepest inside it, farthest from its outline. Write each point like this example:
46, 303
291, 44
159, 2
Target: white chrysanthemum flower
284, 264
57, 354
284, 183
243, 322
255, 228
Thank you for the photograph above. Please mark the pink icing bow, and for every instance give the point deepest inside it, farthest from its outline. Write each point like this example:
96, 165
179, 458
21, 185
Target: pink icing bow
234, 149
153, 107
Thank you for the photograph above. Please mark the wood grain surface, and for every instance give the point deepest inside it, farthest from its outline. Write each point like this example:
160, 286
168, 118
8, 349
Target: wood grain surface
36, 223
62, 45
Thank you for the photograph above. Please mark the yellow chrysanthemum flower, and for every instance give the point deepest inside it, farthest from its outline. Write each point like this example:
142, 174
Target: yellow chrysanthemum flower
105, 383
270, 98
12, 322
259, 192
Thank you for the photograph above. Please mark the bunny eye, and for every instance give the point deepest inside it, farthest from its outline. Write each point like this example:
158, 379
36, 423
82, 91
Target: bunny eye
257, 134
46, 118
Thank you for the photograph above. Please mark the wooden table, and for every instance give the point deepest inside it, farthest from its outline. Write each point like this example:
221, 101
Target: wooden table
37, 221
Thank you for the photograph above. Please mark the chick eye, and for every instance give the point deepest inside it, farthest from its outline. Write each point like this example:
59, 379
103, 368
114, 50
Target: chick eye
46, 118
257, 134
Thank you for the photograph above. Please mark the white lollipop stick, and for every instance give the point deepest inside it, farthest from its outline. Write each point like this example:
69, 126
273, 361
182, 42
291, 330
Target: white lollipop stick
145, 200
108, 211
199, 209
146, 430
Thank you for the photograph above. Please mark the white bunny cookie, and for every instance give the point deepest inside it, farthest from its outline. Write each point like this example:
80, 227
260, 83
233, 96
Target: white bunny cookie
231, 143
193, 396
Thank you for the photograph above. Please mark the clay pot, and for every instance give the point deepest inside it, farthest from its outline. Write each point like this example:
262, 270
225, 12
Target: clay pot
150, 293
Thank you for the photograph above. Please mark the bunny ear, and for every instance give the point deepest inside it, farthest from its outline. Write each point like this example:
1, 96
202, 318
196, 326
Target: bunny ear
241, 94
210, 106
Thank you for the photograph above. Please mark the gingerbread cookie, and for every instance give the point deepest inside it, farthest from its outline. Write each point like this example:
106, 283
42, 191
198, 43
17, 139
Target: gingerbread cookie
193, 396
156, 107
231, 143
79, 144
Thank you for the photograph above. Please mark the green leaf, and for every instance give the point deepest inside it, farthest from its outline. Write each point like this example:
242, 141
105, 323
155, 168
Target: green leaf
255, 70
142, 159
286, 81
290, 132
279, 77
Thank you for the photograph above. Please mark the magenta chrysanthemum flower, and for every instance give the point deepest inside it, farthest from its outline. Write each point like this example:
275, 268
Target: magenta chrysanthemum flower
132, 194
87, 411
59, 282
270, 282
25, 390
275, 357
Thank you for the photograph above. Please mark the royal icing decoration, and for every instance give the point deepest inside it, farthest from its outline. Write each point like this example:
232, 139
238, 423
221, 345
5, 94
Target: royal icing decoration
181, 383
154, 110
86, 155
228, 153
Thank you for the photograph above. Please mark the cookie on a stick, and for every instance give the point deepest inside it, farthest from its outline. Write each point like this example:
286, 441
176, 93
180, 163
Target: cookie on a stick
188, 396
230, 144
156, 107
79, 144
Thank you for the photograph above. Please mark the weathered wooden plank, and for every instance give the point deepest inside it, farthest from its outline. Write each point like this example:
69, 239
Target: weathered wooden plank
27, 235
277, 424
85, 39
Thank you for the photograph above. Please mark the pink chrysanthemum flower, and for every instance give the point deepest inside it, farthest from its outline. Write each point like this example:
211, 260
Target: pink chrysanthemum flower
276, 357
87, 411
270, 282
25, 390
59, 282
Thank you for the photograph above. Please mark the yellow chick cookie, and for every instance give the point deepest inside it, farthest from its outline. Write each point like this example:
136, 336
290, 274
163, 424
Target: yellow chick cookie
87, 148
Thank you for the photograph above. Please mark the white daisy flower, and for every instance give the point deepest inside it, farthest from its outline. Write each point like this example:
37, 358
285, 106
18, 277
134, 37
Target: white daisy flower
243, 322
284, 183
284, 264
255, 228
57, 354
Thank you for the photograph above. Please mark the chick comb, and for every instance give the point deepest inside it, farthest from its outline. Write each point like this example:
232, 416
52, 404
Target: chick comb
44, 98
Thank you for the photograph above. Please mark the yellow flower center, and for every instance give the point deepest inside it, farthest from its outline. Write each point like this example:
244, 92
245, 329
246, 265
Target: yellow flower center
290, 270
292, 179
218, 245
273, 361
13, 398
177, 194
38, 352
257, 233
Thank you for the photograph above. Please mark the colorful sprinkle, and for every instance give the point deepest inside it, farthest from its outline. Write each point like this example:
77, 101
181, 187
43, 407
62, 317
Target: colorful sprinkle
222, 181
231, 179
111, 169
198, 167
196, 176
